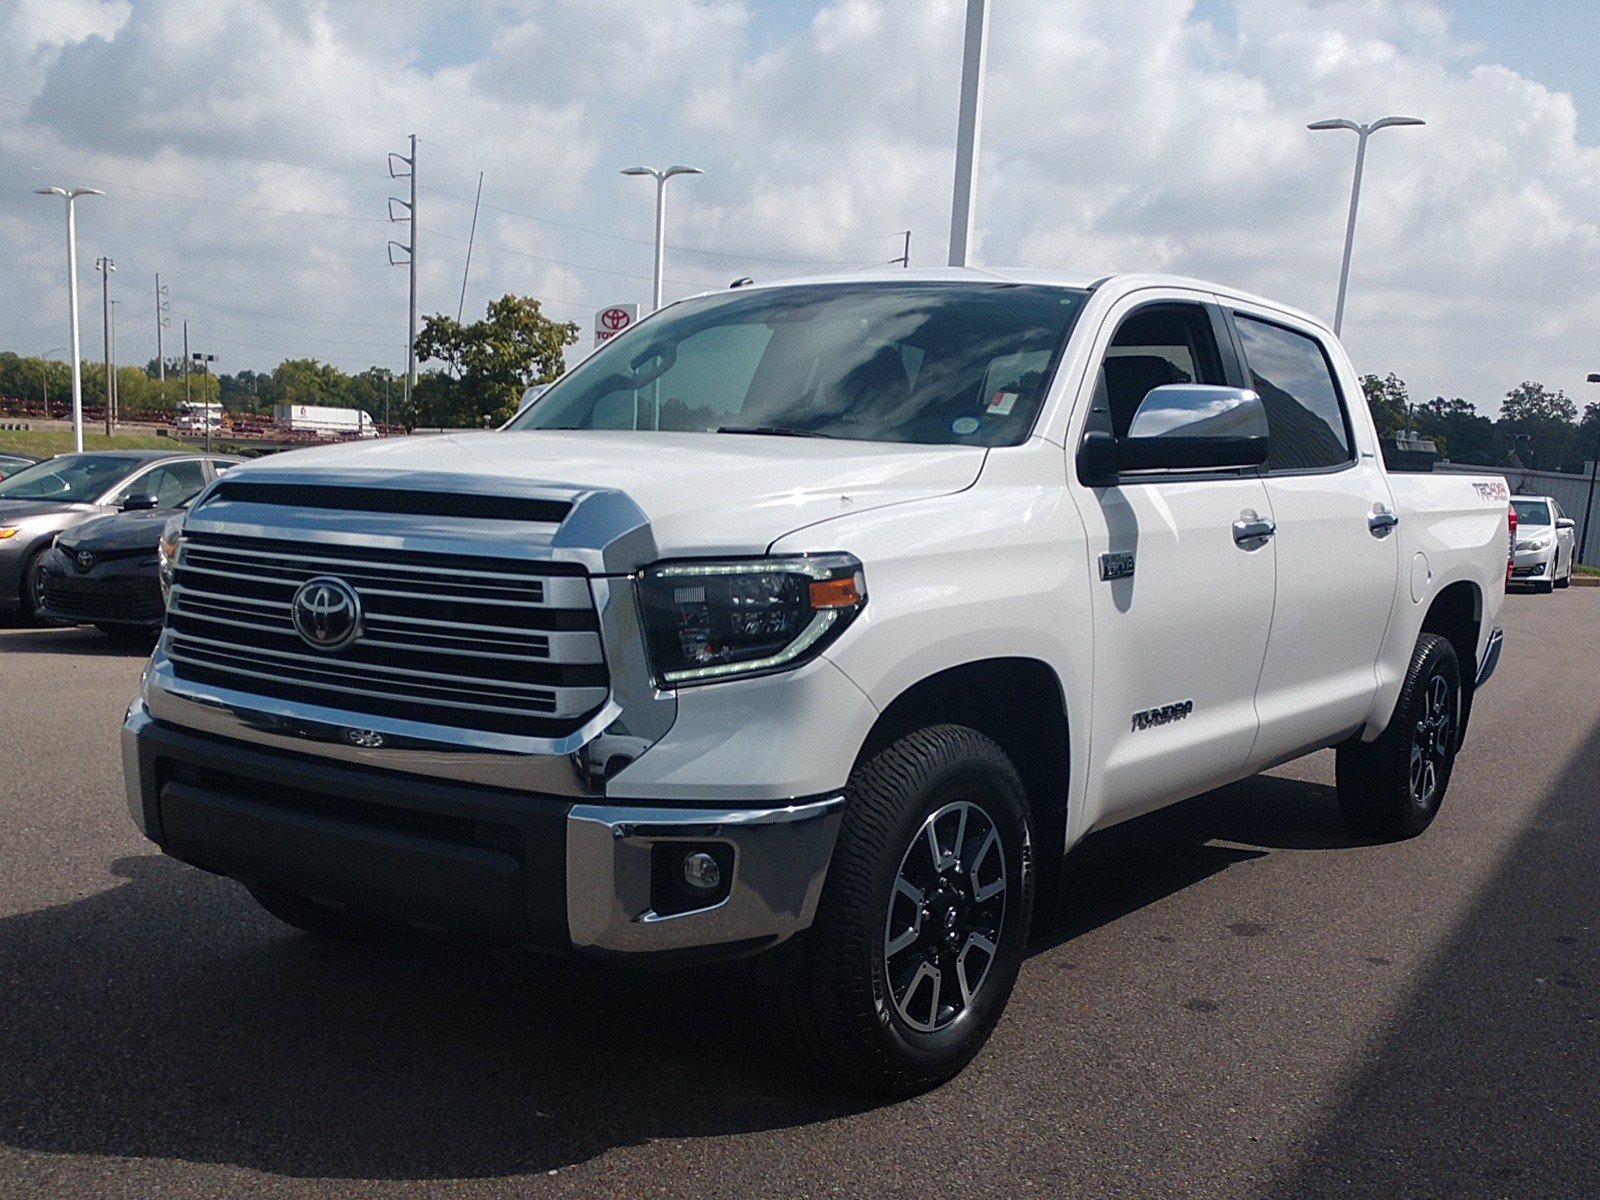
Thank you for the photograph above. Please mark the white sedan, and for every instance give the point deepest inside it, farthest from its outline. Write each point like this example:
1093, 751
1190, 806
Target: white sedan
1545, 547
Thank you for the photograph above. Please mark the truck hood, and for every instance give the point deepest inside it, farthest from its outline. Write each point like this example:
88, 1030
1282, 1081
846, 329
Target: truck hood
703, 493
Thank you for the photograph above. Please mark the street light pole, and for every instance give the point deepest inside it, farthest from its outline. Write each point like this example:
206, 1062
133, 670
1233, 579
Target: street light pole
968, 126
1362, 132
661, 178
71, 195
105, 266
44, 376
1594, 465
205, 361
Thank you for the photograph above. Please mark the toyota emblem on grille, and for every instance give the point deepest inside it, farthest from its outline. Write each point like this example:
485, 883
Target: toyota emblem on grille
85, 561
327, 613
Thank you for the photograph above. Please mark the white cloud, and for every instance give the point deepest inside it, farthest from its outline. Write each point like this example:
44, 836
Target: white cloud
1118, 136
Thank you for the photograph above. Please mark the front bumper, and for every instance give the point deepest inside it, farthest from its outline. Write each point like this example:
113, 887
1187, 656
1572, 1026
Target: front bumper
506, 866
115, 591
1530, 565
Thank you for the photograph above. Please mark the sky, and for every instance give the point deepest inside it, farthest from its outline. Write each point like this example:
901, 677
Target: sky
242, 145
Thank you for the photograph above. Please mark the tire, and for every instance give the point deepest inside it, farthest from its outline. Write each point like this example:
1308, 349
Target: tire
31, 591
1566, 580
317, 919
891, 989
1544, 586
1392, 788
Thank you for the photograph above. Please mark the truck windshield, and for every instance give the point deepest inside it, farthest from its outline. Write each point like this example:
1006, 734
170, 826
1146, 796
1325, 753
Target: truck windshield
1531, 512
934, 363
69, 479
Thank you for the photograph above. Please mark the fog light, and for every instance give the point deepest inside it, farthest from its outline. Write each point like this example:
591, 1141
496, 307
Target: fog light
702, 872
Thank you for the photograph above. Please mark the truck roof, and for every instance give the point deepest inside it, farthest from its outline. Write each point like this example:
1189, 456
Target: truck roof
1120, 282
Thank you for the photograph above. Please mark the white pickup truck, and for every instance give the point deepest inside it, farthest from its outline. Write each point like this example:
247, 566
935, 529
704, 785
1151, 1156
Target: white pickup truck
816, 623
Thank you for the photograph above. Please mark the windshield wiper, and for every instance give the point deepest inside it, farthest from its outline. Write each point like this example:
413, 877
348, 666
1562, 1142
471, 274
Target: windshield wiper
772, 431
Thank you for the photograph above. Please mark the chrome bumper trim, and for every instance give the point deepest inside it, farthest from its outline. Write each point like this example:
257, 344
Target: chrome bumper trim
135, 722
780, 859
1491, 658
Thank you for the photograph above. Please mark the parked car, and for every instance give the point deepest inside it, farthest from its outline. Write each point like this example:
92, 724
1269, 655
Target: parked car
107, 571
1546, 543
12, 461
839, 609
60, 493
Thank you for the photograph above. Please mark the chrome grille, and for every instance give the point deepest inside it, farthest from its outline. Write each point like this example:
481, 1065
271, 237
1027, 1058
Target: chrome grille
499, 645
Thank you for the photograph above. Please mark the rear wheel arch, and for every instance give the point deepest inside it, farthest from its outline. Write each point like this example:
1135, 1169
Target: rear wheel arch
1456, 614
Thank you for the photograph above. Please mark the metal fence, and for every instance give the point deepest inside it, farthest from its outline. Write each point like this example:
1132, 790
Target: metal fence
1571, 492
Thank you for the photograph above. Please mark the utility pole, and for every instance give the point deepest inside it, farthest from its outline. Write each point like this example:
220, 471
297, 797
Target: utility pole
162, 321
105, 266
410, 250
187, 399
905, 258
968, 127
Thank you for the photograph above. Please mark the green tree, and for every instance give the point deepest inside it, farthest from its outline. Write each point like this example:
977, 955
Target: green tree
1540, 425
308, 381
488, 363
1461, 433
1388, 400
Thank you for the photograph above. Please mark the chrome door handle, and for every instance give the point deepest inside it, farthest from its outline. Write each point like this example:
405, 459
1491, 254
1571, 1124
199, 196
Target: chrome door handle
1256, 529
1382, 521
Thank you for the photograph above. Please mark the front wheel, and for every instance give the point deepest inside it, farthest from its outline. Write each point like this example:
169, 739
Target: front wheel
1393, 787
923, 919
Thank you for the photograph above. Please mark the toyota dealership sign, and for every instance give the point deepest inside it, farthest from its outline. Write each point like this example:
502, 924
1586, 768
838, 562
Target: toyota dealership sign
609, 322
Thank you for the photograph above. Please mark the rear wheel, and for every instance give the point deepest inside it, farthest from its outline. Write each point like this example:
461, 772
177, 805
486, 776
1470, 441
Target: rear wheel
923, 919
1393, 787
319, 920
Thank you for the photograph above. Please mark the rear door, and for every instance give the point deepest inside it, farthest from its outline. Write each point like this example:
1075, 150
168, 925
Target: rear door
1181, 609
1337, 549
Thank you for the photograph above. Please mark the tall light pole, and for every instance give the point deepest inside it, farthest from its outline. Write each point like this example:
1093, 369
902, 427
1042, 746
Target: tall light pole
1594, 465
661, 178
205, 361
964, 201
1362, 132
44, 376
105, 266
71, 195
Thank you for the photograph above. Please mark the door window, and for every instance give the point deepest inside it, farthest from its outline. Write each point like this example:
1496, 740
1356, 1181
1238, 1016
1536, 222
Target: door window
1156, 345
1305, 415
170, 483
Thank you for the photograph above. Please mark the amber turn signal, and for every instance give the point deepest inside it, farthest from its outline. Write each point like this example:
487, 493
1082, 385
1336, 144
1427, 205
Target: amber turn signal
835, 593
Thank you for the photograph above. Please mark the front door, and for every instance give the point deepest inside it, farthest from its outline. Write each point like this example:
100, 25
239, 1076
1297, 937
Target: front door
1178, 642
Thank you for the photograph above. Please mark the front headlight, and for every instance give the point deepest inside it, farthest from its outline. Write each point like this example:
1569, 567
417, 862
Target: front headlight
167, 553
707, 621
1535, 543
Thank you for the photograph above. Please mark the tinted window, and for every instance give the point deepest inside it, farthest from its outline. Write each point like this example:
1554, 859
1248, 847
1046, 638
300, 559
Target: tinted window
171, 483
1295, 382
1154, 346
935, 363
67, 479
1531, 512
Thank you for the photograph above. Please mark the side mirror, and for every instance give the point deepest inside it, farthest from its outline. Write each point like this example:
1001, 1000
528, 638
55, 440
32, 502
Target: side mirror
140, 502
1192, 426
1566, 523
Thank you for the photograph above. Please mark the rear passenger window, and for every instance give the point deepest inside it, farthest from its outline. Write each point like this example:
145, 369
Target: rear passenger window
1304, 415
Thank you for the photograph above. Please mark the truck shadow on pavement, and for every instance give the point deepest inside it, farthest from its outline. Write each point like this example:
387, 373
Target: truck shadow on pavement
168, 1017
72, 639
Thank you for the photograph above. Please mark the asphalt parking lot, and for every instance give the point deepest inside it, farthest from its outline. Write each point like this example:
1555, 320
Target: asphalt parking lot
1239, 1000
